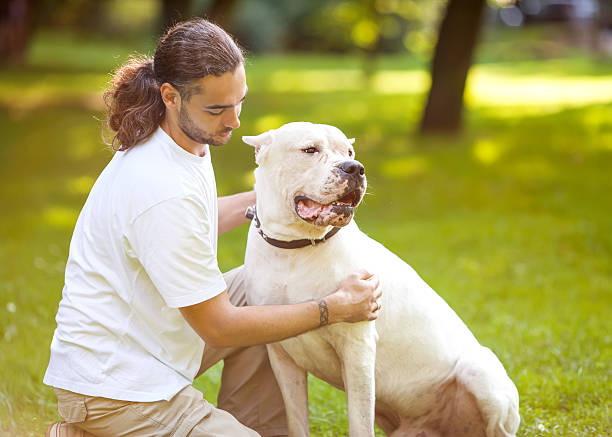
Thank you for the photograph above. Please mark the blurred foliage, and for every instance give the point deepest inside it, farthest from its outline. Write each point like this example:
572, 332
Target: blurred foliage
337, 26
381, 26
268, 25
111, 18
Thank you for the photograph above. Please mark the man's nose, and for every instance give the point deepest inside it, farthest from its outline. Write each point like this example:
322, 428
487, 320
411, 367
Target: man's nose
233, 119
354, 168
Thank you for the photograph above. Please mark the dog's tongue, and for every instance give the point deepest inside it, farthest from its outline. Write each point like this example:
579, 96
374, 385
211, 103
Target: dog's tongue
309, 209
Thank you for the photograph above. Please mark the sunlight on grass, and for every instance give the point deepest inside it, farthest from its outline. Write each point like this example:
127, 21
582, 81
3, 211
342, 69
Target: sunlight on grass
315, 80
60, 216
384, 81
81, 144
401, 82
486, 87
486, 151
80, 185
534, 169
494, 86
57, 49
267, 122
356, 111
594, 118
405, 167
30, 90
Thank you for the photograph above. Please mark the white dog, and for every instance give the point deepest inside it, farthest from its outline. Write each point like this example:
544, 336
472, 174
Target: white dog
417, 370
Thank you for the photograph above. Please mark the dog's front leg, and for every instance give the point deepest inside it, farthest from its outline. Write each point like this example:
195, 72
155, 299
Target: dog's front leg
357, 352
293, 383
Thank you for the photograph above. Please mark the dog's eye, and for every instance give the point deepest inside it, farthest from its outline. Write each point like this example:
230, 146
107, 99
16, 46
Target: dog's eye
351, 153
310, 150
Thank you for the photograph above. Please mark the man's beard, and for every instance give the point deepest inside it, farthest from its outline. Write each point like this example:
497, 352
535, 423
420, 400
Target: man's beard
198, 135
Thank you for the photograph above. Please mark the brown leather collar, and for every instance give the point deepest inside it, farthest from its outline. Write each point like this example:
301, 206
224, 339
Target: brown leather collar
251, 213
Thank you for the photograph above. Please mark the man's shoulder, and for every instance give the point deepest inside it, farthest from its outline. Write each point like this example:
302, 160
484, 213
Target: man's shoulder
147, 163
152, 172
147, 175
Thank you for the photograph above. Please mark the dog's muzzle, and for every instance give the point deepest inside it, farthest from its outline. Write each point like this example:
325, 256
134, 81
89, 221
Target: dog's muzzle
339, 212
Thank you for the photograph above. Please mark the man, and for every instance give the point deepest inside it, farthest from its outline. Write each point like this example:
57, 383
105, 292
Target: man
145, 308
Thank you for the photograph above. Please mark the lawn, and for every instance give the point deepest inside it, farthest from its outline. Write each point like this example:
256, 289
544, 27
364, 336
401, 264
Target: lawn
510, 221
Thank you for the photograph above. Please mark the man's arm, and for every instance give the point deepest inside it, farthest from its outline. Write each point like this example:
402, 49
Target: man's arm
231, 210
221, 324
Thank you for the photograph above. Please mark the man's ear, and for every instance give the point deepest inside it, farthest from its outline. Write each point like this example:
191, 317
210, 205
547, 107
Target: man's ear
170, 95
260, 142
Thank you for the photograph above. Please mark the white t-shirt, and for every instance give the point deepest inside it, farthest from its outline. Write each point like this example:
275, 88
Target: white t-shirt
144, 245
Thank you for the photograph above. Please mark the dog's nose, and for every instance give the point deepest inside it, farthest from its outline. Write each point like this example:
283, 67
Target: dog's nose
352, 167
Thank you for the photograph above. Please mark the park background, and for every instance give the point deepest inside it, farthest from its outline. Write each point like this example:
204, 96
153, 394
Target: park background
498, 194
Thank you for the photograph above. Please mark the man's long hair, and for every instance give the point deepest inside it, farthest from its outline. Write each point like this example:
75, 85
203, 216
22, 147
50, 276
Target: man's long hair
186, 52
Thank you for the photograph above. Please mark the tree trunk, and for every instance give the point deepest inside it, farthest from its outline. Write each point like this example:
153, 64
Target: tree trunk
220, 11
371, 54
173, 11
452, 59
15, 30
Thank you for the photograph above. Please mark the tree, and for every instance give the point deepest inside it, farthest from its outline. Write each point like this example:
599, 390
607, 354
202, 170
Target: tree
220, 11
452, 59
173, 11
15, 29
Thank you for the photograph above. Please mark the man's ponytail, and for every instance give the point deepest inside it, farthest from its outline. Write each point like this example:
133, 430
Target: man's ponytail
134, 103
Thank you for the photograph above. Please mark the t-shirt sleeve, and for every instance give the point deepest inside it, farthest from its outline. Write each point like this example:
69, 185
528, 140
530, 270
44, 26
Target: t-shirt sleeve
174, 243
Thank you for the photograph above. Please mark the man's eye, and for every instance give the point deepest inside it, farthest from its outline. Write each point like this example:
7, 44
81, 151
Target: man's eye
215, 113
310, 150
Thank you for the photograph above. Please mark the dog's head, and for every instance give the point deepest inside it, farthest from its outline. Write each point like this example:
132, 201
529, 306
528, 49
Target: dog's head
309, 171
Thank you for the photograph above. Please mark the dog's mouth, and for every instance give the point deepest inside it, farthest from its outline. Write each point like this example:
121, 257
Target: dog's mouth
337, 213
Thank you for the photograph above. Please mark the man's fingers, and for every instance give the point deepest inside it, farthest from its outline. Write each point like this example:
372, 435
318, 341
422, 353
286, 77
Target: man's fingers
374, 281
375, 286
378, 291
373, 314
363, 274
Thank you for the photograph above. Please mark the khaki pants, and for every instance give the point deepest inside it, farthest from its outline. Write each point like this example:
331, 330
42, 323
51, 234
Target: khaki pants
249, 395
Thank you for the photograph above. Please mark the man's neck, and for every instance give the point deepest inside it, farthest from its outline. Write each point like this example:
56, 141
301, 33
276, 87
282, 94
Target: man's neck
179, 137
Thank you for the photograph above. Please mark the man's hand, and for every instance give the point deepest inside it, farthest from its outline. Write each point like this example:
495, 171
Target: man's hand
356, 300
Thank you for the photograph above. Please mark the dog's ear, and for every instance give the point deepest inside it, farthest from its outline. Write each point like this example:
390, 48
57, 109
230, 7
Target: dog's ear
259, 141
351, 140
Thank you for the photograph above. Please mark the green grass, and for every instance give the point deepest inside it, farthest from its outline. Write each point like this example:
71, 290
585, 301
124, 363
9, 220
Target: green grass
509, 222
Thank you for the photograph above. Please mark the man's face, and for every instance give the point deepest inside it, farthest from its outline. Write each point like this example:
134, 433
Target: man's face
210, 114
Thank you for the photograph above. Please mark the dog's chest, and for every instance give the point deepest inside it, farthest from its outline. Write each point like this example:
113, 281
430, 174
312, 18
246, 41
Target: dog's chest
288, 283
